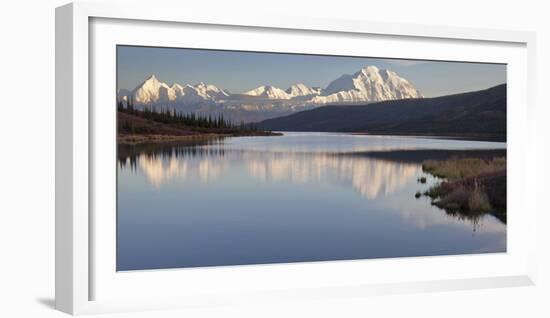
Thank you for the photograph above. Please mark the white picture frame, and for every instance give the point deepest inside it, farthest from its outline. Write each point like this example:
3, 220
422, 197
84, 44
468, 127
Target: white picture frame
81, 260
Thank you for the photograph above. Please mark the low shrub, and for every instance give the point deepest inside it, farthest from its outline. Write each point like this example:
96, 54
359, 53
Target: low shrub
455, 199
478, 201
472, 186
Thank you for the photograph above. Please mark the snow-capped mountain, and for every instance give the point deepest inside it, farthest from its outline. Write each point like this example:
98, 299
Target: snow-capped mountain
302, 90
370, 84
152, 91
269, 92
210, 91
122, 94
177, 89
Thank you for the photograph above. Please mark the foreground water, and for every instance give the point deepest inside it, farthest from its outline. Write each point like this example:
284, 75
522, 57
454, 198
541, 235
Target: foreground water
297, 197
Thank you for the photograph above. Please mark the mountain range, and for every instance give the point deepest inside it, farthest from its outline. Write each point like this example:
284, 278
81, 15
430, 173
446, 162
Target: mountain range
368, 85
479, 114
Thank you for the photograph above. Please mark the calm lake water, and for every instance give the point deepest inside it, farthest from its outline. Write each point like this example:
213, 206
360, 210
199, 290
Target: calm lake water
292, 198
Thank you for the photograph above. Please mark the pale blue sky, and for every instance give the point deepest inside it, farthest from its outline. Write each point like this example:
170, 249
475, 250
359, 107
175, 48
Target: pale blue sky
242, 71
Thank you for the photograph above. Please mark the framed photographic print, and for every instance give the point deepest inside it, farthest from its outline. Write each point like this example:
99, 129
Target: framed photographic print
214, 159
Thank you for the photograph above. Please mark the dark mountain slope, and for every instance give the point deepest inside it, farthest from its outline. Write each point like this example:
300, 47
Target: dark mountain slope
480, 114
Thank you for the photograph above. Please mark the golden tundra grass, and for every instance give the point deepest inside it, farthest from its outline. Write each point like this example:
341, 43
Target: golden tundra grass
469, 181
457, 169
478, 201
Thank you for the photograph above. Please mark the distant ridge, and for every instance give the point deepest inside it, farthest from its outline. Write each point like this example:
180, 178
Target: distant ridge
479, 114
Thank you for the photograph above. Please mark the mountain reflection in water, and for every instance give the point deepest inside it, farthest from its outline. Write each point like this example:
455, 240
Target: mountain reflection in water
370, 177
234, 190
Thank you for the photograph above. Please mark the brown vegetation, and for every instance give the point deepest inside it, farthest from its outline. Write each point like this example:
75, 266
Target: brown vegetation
461, 168
471, 185
133, 128
155, 138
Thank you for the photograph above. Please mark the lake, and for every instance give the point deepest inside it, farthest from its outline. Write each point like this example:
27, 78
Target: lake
292, 198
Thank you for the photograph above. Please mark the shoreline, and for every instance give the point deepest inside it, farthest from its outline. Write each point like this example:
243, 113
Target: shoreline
160, 138
473, 137
134, 139
136, 127
469, 186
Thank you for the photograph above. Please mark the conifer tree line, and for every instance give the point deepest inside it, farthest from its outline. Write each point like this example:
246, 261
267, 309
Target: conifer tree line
171, 116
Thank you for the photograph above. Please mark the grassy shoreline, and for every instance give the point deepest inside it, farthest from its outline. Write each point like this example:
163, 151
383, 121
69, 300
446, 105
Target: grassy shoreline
459, 136
470, 186
133, 139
